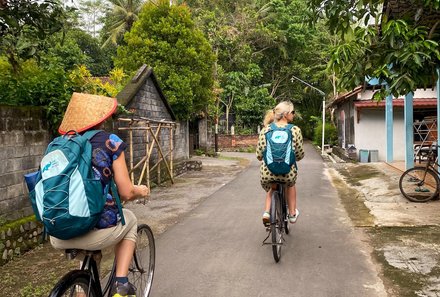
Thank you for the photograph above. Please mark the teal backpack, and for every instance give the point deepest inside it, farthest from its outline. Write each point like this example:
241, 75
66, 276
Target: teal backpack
66, 196
279, 155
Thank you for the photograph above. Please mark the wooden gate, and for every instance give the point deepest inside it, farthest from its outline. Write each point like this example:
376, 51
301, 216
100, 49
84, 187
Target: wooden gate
150, 133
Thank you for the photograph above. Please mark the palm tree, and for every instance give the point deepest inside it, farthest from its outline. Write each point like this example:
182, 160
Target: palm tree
122, 16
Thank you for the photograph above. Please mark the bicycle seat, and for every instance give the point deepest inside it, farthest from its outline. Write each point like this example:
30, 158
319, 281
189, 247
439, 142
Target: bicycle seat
274, 185
73, 253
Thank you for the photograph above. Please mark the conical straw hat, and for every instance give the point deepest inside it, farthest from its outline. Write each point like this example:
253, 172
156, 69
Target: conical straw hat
86, 111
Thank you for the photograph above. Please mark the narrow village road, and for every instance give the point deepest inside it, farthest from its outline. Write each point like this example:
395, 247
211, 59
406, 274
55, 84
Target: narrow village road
216, 249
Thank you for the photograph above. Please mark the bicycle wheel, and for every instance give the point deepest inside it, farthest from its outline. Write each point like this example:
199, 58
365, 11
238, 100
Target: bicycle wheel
419, 184
141, 270
75, 283
285, 211
276, 225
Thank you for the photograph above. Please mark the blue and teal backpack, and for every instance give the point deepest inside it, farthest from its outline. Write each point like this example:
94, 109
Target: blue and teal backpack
67, 197
279, 155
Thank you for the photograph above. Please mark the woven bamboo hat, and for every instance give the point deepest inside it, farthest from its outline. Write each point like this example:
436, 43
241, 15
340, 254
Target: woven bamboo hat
86, 111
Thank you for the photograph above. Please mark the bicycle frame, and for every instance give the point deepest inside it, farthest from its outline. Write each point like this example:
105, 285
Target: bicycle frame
433, 161
90, 268
280, 188
89, 264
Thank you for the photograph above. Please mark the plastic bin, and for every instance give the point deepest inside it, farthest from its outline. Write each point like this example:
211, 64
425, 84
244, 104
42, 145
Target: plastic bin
363, 156
374, 156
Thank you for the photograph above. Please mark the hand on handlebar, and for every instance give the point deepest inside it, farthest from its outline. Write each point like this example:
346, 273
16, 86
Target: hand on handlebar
143, 191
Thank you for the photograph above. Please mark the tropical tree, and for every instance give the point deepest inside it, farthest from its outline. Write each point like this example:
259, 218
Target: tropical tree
120, 18
266, 42
165, 38
92, 12
24, 25
400, 49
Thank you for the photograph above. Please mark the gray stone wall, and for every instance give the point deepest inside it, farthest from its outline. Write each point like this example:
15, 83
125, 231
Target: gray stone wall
23, 140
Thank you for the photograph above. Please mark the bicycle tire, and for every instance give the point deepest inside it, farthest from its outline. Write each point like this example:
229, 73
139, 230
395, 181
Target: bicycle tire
285, 208
419, 184
141, 270
71, 282
276, 225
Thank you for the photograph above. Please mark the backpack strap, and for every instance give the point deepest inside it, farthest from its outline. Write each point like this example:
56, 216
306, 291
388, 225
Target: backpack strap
89, 134
115, 195
272, 126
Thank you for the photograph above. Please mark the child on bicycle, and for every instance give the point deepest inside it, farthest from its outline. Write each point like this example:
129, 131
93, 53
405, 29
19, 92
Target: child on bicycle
281, 115
87, 112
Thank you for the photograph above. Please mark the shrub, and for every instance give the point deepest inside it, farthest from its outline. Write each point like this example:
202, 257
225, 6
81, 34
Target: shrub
330, 136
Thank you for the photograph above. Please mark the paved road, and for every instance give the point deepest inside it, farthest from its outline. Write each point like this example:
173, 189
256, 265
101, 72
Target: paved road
216, 250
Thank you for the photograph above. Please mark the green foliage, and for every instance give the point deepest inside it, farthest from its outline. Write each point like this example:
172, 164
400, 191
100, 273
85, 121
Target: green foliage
330, 135
165, 38
78, 48
51, 87
119, 20
24, 25
401, 51
35, 85
99, 60
259, 45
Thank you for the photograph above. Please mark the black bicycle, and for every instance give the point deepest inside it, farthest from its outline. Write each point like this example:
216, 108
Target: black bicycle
279, 223
86, 282
421, 183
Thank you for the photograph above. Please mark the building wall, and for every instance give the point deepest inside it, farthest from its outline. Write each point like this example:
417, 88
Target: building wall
237, 142
148, 104
348, 133
23, 141
370, 132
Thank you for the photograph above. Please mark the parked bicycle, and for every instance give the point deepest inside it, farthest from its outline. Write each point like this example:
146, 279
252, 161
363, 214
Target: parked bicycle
421, 183
279, 224
85, 282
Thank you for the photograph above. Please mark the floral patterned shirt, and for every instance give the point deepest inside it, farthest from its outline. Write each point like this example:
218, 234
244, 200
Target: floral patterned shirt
106, 148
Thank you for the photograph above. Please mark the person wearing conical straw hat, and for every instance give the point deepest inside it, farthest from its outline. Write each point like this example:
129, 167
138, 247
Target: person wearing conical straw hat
89, 112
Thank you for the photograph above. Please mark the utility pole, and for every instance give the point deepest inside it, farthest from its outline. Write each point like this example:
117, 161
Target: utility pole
323, 107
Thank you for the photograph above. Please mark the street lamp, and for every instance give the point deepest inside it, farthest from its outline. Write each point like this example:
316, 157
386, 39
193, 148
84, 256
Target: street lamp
323, 108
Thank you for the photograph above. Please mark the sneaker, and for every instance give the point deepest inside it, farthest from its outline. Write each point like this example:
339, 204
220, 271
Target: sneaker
266, 218
292, 218
123, 290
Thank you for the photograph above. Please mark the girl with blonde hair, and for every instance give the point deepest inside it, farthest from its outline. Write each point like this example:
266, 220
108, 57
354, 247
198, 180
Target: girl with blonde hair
281, 115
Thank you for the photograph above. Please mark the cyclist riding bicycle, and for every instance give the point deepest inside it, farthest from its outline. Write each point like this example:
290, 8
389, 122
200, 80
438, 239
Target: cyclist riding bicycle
89, 112
281, 115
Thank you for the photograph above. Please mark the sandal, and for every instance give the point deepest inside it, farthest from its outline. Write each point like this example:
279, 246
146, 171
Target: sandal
266, 218
294, 217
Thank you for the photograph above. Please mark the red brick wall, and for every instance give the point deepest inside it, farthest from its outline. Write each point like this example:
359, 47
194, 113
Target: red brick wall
230, 142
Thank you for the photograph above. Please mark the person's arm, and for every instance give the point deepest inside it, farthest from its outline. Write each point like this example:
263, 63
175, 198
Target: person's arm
126, 189
299, 147
261, 145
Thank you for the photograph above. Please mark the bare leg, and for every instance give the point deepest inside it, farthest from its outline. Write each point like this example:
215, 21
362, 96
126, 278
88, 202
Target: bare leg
124, 253
268, 198
291, 199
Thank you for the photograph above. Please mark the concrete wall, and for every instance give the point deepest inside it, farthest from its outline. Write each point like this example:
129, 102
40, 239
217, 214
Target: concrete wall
370, 132
23, 140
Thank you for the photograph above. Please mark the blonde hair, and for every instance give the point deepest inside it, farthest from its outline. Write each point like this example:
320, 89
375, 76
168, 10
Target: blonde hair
276, 114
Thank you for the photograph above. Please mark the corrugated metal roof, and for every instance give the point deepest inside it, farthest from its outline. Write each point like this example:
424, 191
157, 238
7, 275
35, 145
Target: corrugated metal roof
417, 103
345, 96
